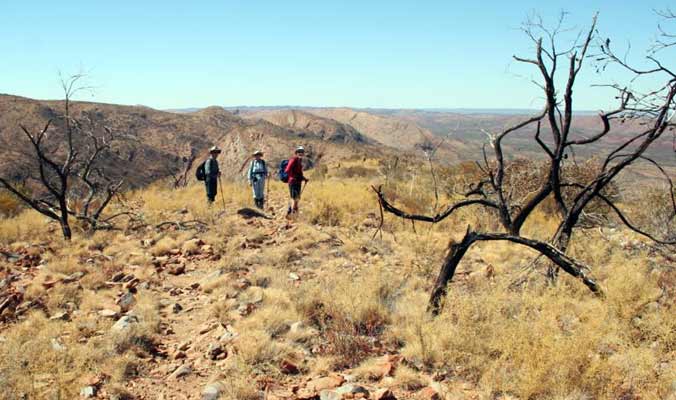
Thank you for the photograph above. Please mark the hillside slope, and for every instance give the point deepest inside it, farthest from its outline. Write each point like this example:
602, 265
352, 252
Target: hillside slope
152, 144
324, 128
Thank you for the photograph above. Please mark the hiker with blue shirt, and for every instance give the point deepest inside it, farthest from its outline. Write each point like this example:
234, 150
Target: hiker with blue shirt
257, 175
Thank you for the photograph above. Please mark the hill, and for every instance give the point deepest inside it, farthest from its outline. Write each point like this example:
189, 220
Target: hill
324, 128
468, 128
153, 144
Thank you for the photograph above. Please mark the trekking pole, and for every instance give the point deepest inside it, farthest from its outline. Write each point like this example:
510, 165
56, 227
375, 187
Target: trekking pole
220, 184
267, 191
303, 188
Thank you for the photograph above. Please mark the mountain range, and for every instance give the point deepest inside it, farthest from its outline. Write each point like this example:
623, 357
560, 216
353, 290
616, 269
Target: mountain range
154, 144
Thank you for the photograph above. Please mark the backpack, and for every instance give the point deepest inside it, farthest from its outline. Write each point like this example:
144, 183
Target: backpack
200, 173
283, 176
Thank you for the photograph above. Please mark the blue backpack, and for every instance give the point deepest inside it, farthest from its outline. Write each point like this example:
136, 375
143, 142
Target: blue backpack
283, 176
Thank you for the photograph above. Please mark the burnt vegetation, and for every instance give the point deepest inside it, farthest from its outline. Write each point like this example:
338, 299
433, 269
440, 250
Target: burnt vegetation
513, 189
66, 167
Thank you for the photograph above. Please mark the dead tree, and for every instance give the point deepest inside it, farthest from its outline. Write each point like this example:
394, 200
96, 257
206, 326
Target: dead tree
71, 180
654, 110
180, 176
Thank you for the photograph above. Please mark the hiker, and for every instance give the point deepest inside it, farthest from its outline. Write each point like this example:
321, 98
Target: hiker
294, 170
212, 173
257, 175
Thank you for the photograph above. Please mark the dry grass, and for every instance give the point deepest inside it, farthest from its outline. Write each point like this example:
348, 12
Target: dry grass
350, 313
358, 297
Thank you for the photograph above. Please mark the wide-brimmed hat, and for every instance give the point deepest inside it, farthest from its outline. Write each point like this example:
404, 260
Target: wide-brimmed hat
300, 149
214, 149
257, 153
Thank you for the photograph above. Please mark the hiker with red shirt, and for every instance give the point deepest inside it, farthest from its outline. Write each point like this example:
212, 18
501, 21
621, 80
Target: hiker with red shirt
294, 170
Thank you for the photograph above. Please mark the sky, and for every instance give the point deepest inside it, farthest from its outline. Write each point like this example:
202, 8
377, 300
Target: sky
382, 54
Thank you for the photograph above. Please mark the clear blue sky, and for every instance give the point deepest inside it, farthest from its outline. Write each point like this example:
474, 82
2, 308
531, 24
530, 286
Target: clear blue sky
170, 54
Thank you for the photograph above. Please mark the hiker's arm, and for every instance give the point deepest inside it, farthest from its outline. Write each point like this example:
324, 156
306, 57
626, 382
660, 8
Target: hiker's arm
249, 174
290, 166
207, 168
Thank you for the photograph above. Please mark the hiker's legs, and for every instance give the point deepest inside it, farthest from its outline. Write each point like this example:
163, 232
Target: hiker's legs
294, 192
259, 192
212, 189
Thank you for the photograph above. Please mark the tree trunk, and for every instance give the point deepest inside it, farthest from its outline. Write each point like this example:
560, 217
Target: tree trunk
63, 220
455, 253
65, 229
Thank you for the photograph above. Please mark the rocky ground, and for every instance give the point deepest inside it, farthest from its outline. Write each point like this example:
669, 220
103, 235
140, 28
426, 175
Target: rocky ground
192, 343
241, 308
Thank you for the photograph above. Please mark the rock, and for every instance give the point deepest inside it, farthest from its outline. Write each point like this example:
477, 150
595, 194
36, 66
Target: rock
352, 390
125, 323
131, 284
385, 366
296, 327
214, 351
227, 337
177, 308
248, 213
192, 247
345, 391
208, 327
185, 345
288, 367
384, 394
329, 382
183, 370
242, 284
429, 393
106, 313
117, 277
49, 284
179, 355
57, 345
177, 269
294, 276
212, 391
329, 395
213, 275
73, 277
60, 316
88, 392
126, 301
246, 309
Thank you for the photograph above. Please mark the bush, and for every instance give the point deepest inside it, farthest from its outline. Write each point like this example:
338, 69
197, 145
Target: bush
10, 206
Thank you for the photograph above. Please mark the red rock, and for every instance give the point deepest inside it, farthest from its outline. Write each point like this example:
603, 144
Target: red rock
289, 367
177, 269
385, 366
429, 393
49, 284
329, 382
384, 394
